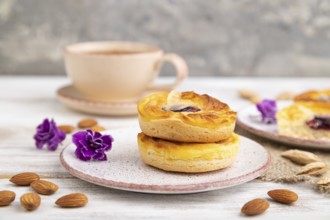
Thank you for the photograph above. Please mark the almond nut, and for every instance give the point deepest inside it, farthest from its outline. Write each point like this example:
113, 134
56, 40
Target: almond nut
255, 100
246, 93
313, 169
44, 187
97, 128
300, 157
324, 180
283, 196
72, 200
6, 197
287, 95
30, 201
249, 95
87, 123
66, 128
24, 179
255, 207
319, 172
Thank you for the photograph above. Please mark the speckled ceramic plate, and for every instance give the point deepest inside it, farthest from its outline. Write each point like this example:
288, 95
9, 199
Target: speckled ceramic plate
250, 120
125, 170
70, 97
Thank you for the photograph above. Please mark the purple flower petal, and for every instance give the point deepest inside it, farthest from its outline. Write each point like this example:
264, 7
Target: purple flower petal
39, 144
83, 144
79, 138
91, 145
107, 139
100, 156
89, 138
87, 152
48, 134
97, 135
80, 155
52, 145
268, 110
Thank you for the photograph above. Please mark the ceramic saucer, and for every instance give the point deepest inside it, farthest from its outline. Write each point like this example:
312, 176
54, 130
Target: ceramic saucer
125, 170
70, 97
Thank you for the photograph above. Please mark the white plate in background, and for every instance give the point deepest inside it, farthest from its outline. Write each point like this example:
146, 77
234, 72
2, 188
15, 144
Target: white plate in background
249, 119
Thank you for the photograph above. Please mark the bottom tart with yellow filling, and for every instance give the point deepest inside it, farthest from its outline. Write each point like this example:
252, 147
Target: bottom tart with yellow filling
188, 157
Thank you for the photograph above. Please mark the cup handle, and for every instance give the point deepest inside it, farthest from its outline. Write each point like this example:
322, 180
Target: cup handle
181, 71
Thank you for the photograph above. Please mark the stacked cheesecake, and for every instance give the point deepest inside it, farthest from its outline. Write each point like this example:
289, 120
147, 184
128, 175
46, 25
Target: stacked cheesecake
186, 132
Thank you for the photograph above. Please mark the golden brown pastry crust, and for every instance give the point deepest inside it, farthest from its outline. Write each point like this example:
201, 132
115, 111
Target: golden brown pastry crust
315, 96
188, 157
214, 122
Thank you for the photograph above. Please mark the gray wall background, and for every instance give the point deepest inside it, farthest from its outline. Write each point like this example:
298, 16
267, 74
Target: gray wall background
216, 37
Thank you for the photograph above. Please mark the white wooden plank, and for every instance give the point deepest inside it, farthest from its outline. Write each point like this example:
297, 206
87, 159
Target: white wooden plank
105, 203
25, 101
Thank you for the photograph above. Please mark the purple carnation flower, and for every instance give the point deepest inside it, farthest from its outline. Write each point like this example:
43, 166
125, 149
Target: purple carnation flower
268, 110
91, 145
49, 134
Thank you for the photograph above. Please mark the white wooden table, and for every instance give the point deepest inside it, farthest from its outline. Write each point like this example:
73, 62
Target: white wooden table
25, 101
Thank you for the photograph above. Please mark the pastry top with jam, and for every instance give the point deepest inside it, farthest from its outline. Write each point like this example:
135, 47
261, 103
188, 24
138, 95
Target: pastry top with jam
190, 107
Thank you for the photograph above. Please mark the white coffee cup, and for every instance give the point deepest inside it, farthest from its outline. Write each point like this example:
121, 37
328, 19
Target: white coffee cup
118, 71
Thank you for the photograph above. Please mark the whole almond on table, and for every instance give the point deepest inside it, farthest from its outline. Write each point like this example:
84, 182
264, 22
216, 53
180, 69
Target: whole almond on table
66, 128
300, 157
24, 179
72, 200
87, 123
283, 196
255, 207
97, 128
30, 201
6, 197
44, 187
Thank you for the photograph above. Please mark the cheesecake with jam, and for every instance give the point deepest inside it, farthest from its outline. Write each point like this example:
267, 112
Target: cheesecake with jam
305, 119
